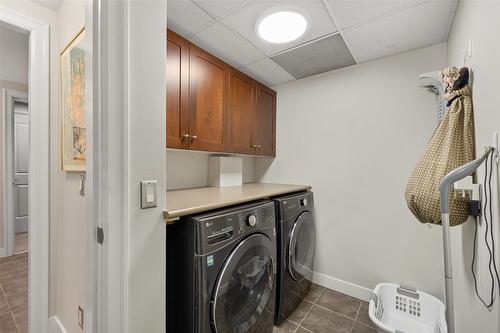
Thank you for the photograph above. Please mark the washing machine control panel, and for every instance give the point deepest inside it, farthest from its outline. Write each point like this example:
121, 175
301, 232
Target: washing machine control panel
223, 228
251, 220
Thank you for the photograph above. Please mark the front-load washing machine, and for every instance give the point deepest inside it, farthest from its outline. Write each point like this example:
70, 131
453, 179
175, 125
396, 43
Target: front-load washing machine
221, 271
296, 240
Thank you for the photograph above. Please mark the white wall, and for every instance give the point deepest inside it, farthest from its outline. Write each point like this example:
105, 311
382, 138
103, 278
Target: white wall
147, 23
477, 21
355, 134
14, 56
69, 231
186, 169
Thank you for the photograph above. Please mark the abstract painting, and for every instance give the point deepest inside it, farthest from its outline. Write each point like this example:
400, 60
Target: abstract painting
73, 127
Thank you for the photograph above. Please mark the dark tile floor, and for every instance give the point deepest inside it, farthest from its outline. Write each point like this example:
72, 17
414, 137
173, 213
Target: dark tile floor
14, 294
327, 311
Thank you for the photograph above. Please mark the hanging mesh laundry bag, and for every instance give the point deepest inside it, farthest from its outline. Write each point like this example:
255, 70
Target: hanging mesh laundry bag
451, 145
398, 309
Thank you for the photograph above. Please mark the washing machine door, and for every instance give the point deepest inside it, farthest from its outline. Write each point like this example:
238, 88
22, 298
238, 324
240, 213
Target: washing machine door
244, 295
301, 248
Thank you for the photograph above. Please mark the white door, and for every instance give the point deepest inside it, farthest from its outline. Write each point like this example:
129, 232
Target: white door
21, 152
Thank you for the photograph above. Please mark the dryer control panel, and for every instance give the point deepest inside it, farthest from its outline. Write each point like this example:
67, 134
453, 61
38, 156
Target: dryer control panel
220, 228
291, 206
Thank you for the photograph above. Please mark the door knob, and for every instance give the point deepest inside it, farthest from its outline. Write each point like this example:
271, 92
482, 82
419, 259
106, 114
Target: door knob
185, 136
194, 137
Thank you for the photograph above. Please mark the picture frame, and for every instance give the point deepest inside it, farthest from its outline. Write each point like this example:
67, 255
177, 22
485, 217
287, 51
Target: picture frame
72, 72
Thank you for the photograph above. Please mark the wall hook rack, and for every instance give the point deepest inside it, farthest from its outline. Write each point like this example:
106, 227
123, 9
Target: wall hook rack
432, 81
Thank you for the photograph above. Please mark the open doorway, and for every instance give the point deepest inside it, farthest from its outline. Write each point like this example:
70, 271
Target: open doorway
19, 170
16, 148
14, 156
24, 173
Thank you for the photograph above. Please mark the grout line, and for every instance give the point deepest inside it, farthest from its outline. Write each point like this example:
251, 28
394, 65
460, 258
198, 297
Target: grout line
363, 324
356, 317
305, 316
296, 328
357, 312
338, 313
320, 294
5, 298
15, 319
305, 329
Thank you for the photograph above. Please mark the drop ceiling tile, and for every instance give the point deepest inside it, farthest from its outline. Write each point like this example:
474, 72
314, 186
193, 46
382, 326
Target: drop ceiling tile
227, 45
220, 8
268, 72
352, 12
244, 19
416, 27
185, 17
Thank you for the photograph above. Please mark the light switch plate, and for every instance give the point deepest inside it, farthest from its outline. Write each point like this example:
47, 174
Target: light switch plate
149, 193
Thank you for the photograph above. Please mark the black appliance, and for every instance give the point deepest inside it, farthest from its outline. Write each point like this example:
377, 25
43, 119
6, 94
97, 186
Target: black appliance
221, 271
296, 241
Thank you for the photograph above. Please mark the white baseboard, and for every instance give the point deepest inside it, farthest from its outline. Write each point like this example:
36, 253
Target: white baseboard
343, 287
55, 325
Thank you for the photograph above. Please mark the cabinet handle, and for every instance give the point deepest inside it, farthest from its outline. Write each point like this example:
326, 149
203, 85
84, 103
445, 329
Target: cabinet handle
257, 146
194, 137
185, 136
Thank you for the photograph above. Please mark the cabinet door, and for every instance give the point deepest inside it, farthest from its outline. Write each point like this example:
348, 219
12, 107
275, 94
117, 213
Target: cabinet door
208, 86
241, 105
177, 91
265, 122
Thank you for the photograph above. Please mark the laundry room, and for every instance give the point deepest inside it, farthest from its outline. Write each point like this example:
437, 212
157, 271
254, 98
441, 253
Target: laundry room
331, 166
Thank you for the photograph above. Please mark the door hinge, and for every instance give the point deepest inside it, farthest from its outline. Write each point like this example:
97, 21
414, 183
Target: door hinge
100, 235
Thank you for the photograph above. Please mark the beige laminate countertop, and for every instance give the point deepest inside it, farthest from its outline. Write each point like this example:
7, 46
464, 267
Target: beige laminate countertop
195, 200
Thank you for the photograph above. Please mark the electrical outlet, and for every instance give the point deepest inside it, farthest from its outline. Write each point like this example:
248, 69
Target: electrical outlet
466, 190
80, 317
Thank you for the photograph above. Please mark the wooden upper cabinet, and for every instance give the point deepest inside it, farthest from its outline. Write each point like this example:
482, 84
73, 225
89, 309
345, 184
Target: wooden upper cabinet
177, 91
241, 106
207, 101
214, 107
265, 121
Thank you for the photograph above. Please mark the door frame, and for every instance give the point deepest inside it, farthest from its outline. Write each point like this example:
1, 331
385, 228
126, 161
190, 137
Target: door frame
9, 97
38, 275
107, 160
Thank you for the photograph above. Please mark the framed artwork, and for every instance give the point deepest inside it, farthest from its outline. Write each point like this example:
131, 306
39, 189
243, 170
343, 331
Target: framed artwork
73, 127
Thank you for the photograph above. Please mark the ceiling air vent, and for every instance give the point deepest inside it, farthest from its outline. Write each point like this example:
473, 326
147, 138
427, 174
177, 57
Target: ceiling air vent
321, 55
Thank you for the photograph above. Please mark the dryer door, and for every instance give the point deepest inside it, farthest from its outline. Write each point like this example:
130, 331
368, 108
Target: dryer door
301, 248
244, 295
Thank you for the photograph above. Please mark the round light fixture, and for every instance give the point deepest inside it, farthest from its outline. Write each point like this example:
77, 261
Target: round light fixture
281, 25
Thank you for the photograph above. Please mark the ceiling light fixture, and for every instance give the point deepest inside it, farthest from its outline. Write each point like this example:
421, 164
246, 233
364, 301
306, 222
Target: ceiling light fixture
281, 25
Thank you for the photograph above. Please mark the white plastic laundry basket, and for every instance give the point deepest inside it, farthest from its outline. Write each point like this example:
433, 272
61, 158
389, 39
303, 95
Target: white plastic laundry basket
397, 309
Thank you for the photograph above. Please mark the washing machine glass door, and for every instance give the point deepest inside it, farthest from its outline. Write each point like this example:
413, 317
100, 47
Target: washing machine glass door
301, 248
243, 297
